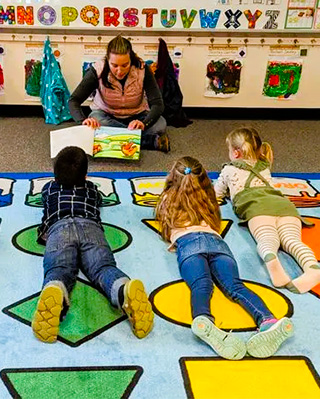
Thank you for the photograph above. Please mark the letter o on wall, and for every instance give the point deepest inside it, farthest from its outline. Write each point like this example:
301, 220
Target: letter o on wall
47, 15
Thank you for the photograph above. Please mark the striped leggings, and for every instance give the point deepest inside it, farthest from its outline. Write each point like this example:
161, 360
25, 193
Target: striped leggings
271, 232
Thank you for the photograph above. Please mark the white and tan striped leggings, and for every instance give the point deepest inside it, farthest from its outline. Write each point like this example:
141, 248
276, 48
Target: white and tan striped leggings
271, 232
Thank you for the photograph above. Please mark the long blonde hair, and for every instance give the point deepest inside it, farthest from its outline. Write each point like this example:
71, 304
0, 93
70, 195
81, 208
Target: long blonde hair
248, 141
188, 198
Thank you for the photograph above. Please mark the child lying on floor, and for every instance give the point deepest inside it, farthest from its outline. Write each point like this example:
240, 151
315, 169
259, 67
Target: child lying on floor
189, 218
272, 219
71, 227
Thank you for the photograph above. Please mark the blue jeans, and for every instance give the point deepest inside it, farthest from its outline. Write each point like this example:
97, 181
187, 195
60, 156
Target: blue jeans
205, 259
74, 243
148, 136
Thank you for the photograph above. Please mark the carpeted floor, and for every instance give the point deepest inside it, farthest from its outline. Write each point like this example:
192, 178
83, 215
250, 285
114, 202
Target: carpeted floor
24, 144
97, 356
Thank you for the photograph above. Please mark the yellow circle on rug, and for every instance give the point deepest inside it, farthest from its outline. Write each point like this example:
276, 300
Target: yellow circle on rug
172, 302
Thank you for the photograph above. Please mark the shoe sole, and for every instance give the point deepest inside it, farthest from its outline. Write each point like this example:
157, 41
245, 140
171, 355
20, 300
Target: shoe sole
164, 144
46, 320
266, 343
225, 345
138, 308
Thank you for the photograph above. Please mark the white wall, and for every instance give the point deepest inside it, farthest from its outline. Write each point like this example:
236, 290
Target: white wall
192, 66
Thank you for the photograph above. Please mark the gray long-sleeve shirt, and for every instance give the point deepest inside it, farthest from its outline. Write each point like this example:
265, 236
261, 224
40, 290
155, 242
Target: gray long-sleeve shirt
90, 82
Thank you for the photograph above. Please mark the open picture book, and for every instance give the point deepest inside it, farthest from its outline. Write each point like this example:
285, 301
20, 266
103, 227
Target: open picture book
105, 142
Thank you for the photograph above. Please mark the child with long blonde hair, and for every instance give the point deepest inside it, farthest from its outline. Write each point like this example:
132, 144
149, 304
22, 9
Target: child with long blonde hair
189, 218
272, 219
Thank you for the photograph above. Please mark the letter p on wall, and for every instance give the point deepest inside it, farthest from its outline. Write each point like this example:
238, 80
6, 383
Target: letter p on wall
68, 14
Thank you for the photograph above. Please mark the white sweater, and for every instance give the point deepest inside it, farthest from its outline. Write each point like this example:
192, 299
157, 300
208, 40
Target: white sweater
232, 180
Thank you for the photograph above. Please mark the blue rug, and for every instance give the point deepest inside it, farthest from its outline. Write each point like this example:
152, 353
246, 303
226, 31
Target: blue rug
97, 356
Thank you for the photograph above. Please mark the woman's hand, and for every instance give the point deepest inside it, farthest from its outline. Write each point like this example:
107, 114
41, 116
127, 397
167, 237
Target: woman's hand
91, 122
136, 124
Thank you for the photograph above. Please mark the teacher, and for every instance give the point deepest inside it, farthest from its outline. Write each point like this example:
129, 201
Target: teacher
126, 95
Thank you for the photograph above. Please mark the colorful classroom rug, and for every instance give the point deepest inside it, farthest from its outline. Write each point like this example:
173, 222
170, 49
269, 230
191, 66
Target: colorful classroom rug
98, 357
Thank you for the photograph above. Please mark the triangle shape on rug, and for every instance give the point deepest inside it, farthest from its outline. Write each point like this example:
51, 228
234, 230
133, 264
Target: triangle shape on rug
76, 382
154, 225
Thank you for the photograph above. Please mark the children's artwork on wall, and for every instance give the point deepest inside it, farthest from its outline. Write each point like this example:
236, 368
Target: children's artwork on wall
239, 2
33, 68
223, 72
91, 54
299, 18
1, 69
301, 3
150, 56
152, 63
1, 76
317, 19
273, 2
85, 66
282, 78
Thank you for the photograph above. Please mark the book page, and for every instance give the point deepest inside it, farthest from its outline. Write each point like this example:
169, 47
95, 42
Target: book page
115, 142
78, 136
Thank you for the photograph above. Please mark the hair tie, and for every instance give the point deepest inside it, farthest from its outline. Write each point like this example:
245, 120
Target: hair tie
187, 171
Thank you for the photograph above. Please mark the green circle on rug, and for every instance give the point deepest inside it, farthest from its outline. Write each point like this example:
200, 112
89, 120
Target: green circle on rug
26, 240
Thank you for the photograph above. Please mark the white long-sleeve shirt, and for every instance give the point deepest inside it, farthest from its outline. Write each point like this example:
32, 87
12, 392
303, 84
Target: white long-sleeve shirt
232, 180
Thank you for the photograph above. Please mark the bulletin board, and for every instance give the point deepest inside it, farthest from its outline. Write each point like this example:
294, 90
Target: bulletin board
148, 15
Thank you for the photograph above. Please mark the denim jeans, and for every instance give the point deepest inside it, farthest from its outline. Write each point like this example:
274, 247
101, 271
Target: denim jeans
205, 259
148, 136
75, 243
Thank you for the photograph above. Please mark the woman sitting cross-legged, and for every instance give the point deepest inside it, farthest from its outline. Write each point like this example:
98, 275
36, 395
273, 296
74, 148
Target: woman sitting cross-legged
126, 95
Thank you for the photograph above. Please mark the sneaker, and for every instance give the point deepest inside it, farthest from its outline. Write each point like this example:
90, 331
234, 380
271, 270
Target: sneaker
46, 320
266, 343
226, 345
163, 143
138, 308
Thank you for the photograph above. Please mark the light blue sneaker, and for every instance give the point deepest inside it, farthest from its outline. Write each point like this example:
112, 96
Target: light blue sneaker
226, 345
266, 343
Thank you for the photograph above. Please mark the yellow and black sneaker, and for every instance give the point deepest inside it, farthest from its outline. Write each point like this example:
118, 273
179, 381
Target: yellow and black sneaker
138, 308
46, 320
163, 143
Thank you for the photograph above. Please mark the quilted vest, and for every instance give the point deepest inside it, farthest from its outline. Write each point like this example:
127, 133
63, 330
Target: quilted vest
121, 102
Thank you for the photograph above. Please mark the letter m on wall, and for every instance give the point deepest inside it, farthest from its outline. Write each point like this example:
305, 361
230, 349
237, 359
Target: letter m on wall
7, 16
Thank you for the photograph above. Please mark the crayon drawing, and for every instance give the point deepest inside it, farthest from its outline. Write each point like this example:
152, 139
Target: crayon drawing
223, 78
1, 76
282, 78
